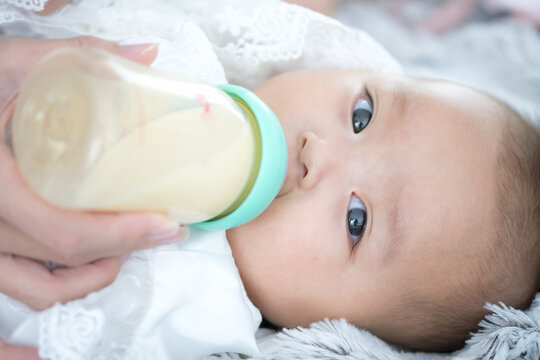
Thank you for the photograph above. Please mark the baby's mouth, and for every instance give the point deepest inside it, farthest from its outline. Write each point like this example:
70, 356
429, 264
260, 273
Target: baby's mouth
292, 179
287, 186
296, 171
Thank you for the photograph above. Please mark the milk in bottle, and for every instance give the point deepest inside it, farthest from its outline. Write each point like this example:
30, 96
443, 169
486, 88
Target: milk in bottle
92, 131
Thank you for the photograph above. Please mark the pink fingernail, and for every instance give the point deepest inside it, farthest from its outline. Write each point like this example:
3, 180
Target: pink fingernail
165, 230
182, 234
124, 257
137, 49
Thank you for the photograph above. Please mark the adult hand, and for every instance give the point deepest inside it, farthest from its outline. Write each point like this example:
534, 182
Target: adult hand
13, 352
326, 7
91, 245
449, 15
53, 5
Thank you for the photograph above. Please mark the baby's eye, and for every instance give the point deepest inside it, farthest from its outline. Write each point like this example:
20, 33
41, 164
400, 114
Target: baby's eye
362, 113
356, 219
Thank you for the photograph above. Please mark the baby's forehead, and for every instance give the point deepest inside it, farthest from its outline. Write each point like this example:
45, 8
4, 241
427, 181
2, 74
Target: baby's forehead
464, 104
446, 223
450, 161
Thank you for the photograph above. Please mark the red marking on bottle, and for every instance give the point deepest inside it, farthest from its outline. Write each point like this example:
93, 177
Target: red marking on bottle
141, 118
202, 100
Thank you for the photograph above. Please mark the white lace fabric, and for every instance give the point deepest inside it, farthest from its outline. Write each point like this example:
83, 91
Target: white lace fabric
252, 40
68, 332
32, 5
257, 42
100, 326
181, 300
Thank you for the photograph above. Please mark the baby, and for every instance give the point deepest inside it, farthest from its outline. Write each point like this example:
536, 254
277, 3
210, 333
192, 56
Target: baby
408, 204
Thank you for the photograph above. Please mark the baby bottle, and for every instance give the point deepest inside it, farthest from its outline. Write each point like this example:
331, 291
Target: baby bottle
93, 131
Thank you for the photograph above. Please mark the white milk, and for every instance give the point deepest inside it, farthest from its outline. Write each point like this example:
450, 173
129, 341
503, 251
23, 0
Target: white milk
91, 134
173, 163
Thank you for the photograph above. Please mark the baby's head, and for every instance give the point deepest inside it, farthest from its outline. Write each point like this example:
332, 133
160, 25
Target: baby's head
407, 205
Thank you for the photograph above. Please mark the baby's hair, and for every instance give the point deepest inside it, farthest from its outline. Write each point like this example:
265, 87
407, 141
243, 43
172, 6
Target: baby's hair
510, 271
518, 209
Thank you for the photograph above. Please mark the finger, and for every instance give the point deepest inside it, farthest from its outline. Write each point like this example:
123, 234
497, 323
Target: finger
182, 234
78, 238
53, 5
449, 15
25, 52
141, 53
72, 237
327, 7
34, 285
13, 241
15, 352
6, 112
144, 54
19, 55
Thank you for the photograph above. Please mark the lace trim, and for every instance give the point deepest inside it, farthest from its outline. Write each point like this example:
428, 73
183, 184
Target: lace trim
79, 330
183, 46
269, 33
70, 332
253, 40
255, 43
32, 5
8, 14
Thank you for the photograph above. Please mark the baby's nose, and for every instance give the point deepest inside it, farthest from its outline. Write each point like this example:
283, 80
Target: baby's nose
315, 159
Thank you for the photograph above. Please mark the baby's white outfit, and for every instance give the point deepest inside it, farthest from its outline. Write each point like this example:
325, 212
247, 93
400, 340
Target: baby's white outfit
185, 300
177, 301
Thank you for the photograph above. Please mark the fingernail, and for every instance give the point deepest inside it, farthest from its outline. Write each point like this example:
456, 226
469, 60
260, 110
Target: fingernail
182, 234
137, 49
165, 230
6, 113
124, 257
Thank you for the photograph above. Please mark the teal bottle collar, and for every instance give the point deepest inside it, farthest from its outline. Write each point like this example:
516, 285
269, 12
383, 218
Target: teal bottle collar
272, 168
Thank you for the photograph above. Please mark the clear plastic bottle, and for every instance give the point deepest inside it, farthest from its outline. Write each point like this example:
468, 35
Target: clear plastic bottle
93, 131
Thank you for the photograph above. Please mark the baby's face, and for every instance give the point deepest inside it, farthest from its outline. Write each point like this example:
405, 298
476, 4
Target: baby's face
389, 191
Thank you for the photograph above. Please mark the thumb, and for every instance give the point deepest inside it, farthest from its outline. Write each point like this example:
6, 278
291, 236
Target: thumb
52, 5
14, 352
144, 54
19, 55
141, 53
